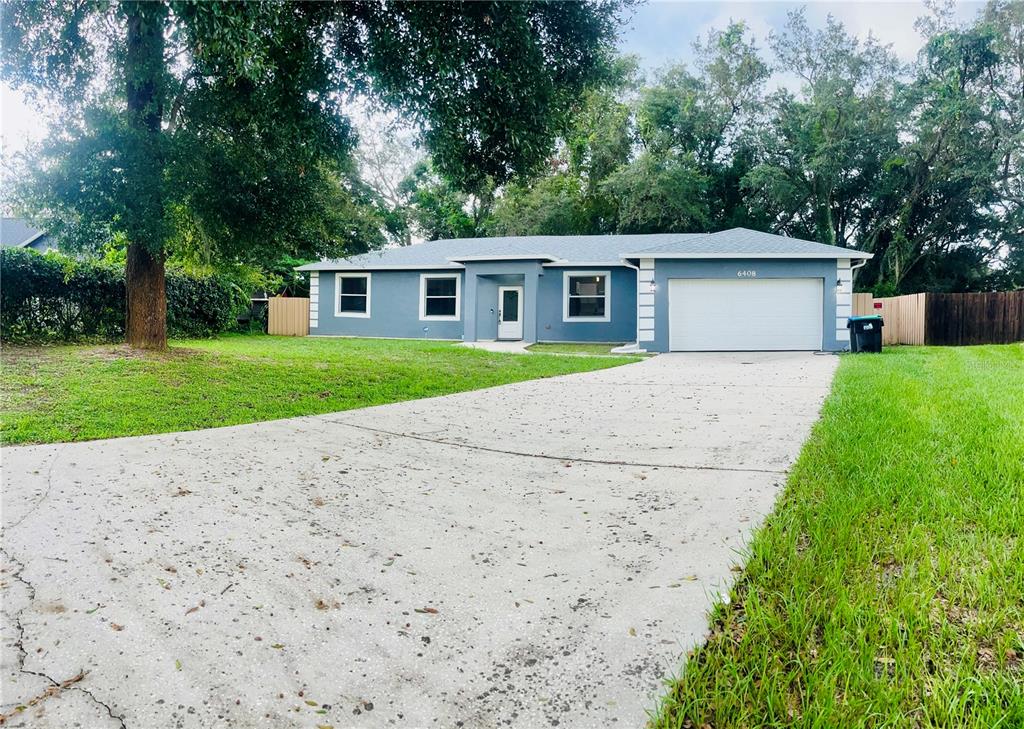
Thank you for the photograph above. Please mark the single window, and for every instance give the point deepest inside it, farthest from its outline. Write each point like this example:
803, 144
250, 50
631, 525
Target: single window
586, 296
353, 294
439, 296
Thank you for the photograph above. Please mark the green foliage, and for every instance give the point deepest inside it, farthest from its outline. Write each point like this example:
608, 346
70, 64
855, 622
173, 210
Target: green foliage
554, 205
57, 394
661, 194
52, 297
241, 148
919, 164
436, 208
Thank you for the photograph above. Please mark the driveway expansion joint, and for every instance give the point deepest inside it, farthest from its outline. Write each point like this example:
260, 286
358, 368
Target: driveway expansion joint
563, 459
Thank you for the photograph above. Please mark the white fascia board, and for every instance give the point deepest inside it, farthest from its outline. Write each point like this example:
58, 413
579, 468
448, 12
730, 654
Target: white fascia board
518, 257
850, 253
31, 239
382, 267
572, 264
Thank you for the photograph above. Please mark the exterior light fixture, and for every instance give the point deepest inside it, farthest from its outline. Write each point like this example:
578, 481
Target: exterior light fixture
654, 287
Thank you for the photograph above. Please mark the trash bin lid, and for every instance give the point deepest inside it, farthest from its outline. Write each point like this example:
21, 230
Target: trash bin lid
871, 317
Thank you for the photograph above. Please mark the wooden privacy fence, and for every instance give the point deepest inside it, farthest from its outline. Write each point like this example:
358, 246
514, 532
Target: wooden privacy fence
288, 317
947, 319
996, 318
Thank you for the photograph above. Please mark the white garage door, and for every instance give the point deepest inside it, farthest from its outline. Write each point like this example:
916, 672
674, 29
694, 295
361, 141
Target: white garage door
744, 314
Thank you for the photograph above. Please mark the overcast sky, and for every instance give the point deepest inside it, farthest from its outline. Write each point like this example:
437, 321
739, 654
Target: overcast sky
659, 33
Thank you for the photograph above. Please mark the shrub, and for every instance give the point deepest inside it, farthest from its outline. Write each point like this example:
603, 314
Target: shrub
52, 297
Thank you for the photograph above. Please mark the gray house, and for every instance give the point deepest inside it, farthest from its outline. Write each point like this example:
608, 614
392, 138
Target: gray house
733, 290
17, 233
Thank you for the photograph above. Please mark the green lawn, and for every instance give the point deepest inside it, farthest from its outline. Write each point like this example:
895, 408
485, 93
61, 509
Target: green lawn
887, 588
68, 393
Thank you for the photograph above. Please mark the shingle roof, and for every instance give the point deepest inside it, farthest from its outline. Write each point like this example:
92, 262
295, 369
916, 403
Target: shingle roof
745, 242
581, 249
17, 233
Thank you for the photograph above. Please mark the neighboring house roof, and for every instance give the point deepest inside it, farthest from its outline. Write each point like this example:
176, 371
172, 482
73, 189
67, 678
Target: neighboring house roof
17, 233
587, 249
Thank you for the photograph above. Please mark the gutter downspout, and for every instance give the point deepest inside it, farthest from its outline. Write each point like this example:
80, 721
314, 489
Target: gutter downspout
635, 347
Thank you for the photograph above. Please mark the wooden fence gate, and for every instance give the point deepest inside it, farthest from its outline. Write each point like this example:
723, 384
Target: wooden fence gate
288, 317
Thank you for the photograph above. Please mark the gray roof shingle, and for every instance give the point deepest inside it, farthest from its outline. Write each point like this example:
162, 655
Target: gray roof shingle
582, 249
17, 233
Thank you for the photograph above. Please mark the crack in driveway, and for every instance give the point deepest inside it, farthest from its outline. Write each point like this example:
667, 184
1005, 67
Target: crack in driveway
55, 686
46, 494
572, 459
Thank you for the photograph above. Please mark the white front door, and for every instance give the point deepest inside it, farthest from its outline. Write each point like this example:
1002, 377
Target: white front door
744, 314
510, 312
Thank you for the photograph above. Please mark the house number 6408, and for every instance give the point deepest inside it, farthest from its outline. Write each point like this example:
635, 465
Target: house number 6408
748, 273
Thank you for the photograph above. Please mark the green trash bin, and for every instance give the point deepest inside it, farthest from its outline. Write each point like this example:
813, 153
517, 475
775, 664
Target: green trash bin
865, 333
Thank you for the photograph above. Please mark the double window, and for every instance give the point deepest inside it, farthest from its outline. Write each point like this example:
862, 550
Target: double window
586, 296
439, 297
352, 295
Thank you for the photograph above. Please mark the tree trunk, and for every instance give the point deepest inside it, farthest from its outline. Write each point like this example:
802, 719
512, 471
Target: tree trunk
147, 299
145, 286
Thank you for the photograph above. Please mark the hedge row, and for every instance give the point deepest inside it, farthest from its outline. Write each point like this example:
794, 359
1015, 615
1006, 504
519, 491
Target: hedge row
52, 297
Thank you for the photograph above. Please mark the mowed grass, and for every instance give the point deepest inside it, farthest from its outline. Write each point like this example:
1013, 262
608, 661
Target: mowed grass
887, 588
71, 393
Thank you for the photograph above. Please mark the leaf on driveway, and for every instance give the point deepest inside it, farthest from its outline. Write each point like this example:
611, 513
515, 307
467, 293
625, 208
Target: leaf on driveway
115, 626
430, 610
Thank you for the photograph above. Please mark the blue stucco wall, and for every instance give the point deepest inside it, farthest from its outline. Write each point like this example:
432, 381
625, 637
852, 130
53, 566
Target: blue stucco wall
394, 310
621, 328
394, 305
665, 269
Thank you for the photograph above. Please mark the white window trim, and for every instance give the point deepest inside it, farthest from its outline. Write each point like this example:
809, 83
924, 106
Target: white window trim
423, 297
607, 296
337, 295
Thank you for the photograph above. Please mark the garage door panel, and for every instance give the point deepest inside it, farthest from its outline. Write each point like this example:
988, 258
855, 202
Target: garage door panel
746, 314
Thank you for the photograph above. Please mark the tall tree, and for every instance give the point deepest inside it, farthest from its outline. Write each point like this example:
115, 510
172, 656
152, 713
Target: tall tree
437, 208
695, 129
571, 198
825, 149
234, 110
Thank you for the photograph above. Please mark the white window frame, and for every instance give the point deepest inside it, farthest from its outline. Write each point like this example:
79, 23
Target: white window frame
607, 296
337, 295
423, 297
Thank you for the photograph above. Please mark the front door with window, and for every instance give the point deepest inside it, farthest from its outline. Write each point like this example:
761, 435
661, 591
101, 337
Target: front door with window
510, 312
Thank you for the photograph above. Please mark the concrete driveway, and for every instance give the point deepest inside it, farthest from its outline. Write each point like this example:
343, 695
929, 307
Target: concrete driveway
537, 554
